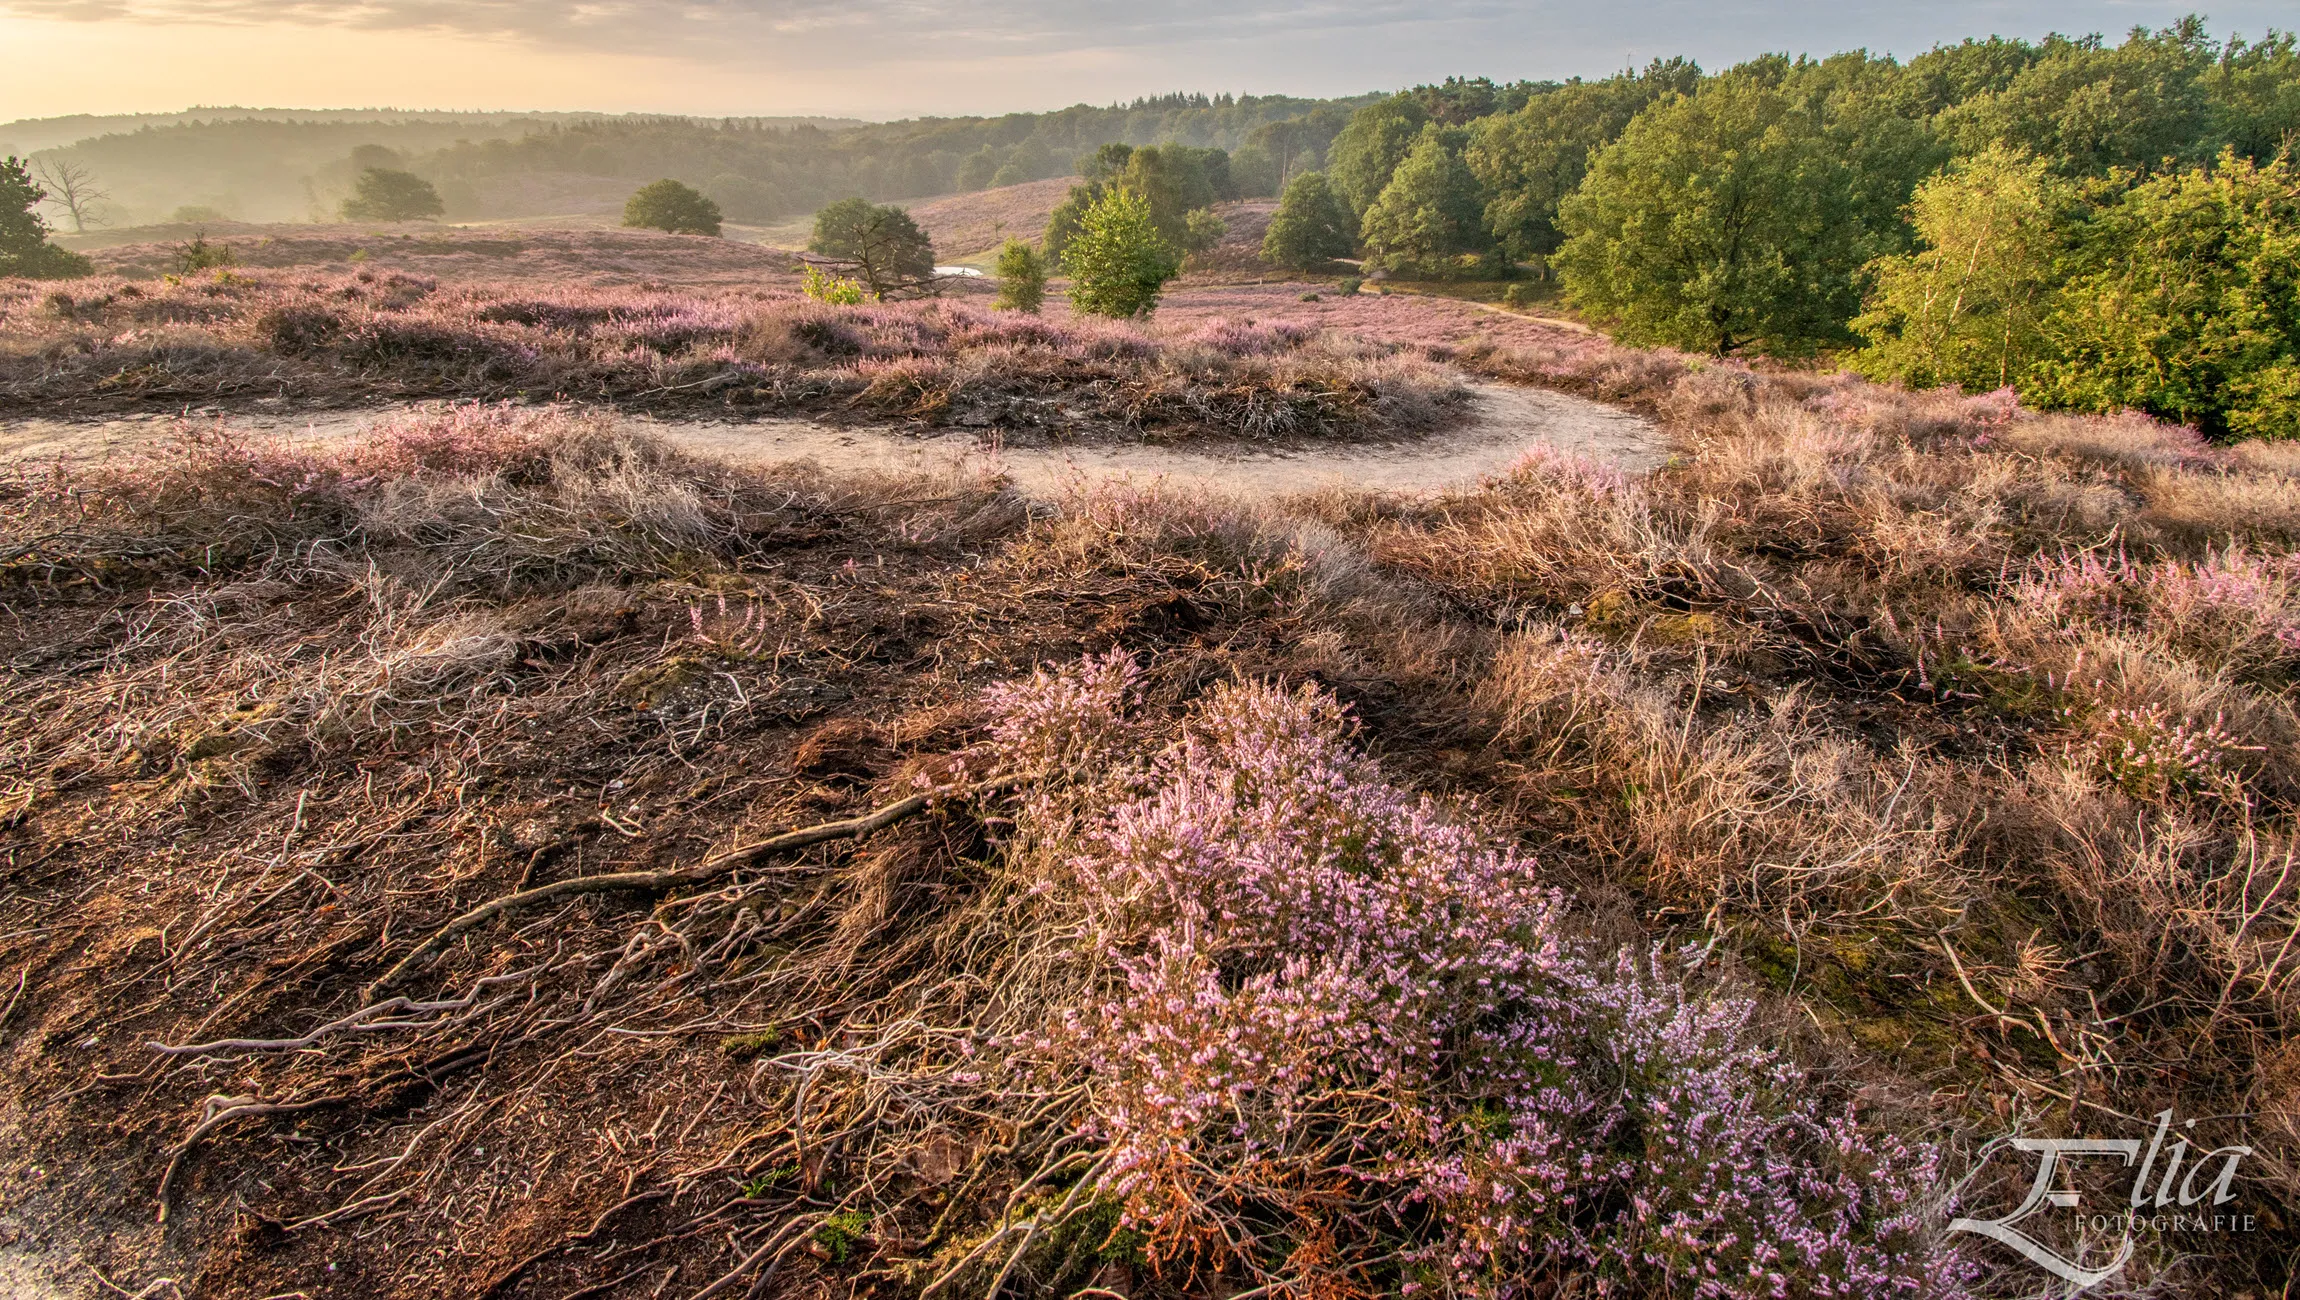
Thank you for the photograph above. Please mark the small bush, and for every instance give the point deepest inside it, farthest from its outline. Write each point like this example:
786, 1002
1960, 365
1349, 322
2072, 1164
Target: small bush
1021, 277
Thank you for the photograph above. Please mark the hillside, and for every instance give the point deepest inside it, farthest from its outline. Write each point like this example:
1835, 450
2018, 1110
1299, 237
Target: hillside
965, 227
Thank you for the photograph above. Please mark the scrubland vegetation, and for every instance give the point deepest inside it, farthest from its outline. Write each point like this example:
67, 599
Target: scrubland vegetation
499, 855
1576, 881
242, 335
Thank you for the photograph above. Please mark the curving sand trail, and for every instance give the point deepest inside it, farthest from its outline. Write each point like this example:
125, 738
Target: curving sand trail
1505, 423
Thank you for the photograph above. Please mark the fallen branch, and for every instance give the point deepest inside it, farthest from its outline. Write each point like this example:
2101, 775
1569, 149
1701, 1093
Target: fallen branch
674, 877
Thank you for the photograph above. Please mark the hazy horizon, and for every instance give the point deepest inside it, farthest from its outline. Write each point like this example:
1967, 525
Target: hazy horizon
889, 59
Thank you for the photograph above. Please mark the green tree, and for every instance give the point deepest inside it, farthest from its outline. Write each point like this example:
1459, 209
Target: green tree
2089, 109
1969, 306
24, 246
2185, 303
1175, 180
2254, 93
1063, 223
880, 243
1531, 159
1359, 164
1202, 230
1428, 219
1719, 221
1310, 228
382, 194
672, 206
1118, 262
1021, 277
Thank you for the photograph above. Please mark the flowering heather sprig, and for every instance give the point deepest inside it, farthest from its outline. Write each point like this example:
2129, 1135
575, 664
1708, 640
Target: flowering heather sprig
1323, 987
2151, 754
1062, 715
2232, 605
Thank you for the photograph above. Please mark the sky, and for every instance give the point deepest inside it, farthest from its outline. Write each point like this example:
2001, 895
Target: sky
885, 59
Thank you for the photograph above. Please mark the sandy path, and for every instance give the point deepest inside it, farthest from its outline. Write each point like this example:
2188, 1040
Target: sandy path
1505, 422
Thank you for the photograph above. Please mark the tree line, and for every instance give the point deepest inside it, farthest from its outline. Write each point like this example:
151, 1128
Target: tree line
2096, 225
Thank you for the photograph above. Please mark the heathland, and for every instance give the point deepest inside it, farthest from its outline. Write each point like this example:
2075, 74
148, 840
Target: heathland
500, 853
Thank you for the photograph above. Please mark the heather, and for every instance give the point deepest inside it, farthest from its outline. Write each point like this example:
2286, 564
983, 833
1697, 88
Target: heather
237, 336
1575, 883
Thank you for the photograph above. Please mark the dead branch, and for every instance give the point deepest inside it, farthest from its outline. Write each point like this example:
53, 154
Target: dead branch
676, 877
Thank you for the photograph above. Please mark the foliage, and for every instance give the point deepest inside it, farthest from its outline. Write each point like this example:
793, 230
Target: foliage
1310, 227
670, 206
1359, 164
836, 290
382, 194
2090, 109
2186, 304
1969, 307
24, 247
1717, 222
1063, 223
881, 244
1531, 159
1118, 262
1428, 221
1202, 230
1021, 277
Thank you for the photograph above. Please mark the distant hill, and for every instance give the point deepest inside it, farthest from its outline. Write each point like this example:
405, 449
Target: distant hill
293, 165
35, 134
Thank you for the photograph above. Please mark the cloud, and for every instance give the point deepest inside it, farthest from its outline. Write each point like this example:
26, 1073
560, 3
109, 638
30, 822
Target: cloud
736, 30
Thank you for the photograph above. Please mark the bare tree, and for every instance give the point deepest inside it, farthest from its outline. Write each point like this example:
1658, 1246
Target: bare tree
72, 188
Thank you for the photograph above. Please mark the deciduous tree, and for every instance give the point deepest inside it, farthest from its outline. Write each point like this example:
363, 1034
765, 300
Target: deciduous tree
880, 243
385, 195
1310, 228
674, 207
1118, 262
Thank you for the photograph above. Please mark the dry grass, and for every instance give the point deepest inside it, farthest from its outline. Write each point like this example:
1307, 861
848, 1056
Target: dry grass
1964, 735
287, 336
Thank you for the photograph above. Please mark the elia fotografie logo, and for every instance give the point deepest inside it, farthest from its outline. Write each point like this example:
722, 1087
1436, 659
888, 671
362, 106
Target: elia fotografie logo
2172, 1191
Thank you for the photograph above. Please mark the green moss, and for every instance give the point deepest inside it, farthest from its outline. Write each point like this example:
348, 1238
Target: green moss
743, 1047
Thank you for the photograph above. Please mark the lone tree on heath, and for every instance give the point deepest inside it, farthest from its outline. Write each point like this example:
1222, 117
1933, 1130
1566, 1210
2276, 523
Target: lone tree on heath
24, 246
1118, 262
72, 188
880, 244
382, 194
1021, 277
1311, 226
669, 205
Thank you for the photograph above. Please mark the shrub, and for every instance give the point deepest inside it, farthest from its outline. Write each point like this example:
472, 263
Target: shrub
1118, 264
1348, 286
382, 194
1021, 277
1301, 949
670, 206
834, 289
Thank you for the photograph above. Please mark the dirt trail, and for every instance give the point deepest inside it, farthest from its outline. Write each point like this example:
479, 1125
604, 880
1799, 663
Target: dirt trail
1505, 422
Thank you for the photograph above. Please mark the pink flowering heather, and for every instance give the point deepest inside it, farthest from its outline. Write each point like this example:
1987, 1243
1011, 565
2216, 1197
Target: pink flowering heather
2232, 606
1325, 992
